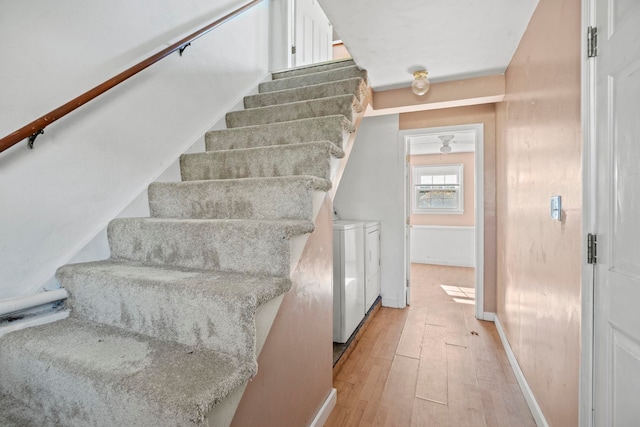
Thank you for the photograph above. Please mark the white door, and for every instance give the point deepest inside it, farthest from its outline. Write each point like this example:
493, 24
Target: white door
313, 33
616, 385
408, 196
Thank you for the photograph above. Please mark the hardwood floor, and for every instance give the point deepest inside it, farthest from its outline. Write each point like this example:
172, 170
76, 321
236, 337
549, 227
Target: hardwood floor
432, 364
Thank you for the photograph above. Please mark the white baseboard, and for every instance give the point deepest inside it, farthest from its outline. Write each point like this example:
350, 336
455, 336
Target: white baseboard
538, 416
443, 261
488, 316
323, 414
392, 303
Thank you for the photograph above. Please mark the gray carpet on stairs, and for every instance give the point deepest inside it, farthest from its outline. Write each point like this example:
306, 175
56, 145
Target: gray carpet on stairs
355, 86
151, 300
242, 198
315, 68
334, 129
166, 328
309, 158
346, 105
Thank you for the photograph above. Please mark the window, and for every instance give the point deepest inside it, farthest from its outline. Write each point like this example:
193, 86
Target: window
438, 189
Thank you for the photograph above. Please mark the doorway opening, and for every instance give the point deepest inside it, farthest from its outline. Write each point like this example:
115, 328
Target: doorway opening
444, 218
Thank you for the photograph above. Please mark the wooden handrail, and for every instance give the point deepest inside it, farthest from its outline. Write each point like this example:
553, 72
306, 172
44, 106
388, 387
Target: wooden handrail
36, 127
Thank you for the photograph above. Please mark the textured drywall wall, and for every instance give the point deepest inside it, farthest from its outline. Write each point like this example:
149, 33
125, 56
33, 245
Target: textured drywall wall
89, 166
539, 156
295, 365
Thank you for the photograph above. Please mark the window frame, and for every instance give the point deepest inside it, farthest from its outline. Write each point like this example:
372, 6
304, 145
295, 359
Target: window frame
435, 170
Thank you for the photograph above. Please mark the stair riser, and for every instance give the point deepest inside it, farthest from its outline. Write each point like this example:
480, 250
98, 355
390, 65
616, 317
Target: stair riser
256, 199
312, 79
333, 128
346, 105
213, 324
312, 69
356, 87
201, 245
282, 160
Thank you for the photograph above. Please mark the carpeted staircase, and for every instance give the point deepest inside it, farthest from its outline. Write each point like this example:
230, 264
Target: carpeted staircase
163, 331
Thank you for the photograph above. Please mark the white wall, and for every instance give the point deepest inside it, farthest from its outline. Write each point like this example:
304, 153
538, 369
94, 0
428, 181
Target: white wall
89, 166
369, 189
443, 245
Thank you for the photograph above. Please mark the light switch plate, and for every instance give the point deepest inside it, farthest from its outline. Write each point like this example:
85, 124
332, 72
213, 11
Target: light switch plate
556, 208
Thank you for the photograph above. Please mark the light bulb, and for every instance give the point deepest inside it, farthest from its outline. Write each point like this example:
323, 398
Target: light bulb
420, 84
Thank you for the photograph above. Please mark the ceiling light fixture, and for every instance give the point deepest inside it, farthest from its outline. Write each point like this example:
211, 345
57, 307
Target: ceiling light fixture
446, 148
421, 83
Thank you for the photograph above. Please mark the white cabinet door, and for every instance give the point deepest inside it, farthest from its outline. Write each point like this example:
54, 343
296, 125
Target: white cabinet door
313, 33
617, 284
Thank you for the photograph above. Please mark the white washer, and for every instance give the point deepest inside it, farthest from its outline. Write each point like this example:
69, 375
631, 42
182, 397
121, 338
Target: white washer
348, 278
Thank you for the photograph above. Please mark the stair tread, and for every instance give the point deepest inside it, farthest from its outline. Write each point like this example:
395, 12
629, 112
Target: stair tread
313, 68
312, 78
309, 158
347, 105
290, 227
294, 104
261, 135
240, 245
208, 309
169, 377
334, 149
252, 289
354, 85
313, 181
283, 197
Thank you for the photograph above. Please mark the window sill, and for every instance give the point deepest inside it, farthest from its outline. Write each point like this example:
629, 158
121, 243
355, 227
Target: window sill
437, 212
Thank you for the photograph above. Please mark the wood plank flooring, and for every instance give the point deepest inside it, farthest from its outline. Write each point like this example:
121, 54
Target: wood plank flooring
432, 364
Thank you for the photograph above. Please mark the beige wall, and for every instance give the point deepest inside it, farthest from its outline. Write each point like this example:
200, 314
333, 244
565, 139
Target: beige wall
340, 52
538, 156
484, 114
468, 217
295, 366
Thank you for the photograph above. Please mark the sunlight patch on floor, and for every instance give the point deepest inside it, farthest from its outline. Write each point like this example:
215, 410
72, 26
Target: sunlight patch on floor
460, 294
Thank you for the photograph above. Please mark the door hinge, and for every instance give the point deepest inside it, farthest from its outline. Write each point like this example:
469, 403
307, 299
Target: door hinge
592, 42
408, 158
293, 50
592, 248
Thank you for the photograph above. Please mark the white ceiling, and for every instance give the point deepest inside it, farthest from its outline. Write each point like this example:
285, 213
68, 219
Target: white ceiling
462, 142
452, 39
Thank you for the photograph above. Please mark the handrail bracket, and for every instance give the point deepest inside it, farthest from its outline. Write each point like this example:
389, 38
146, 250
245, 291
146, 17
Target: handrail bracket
33, 137
183, 47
